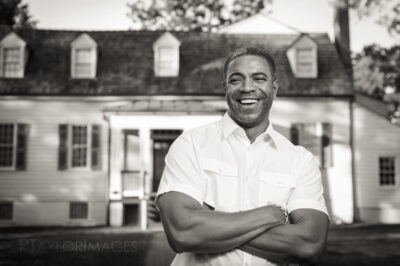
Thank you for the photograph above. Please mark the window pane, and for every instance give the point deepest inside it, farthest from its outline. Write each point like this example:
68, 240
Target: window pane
304, 61
79, 146
82, 70
11, 54
167, 64
6, 155
82, 56
387, 173
83, 63
11, 62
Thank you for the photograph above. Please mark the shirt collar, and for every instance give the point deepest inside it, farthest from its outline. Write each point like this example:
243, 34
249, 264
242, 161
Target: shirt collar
229, 126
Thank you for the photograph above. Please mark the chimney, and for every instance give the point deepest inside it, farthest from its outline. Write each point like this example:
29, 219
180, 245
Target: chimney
342, 31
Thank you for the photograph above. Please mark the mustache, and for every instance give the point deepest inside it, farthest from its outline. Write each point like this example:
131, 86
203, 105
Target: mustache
255, 94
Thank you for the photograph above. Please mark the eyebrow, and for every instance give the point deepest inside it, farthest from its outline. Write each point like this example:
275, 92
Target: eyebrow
259, 73
235, 74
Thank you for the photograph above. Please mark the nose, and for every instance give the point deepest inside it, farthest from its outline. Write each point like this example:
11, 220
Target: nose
247, 85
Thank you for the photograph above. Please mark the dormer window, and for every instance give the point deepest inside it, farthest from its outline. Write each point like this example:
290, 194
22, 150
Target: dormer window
12, 56
166, 56
83, 57
302, 57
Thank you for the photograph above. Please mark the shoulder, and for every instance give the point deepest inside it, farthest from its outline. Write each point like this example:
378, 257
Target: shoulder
196, 137
298, 153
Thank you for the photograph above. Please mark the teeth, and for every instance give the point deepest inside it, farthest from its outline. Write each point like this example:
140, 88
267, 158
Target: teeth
248, 101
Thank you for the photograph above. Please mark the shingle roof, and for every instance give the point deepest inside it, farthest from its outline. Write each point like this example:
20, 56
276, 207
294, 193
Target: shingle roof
125, 64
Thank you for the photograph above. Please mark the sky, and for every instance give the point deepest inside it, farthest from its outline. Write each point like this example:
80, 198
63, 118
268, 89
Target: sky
305, 15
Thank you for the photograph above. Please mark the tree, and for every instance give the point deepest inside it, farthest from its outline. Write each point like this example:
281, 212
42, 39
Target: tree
386, 12
198, 15
14, 13
377, 71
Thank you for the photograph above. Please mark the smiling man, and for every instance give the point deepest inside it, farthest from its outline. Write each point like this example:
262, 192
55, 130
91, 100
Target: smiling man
229, 186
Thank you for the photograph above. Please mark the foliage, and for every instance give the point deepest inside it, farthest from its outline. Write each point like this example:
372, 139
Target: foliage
198, 15
14, 13
387, 12
377, 71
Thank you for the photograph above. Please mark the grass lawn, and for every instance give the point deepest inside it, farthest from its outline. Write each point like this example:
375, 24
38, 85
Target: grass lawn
347, 245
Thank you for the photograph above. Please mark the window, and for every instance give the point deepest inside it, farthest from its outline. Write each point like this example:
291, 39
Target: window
387, 171
83, 57
6, 210
302, 56
166, 56
13, 139
316, 138
78, 210
13, 56
167, 63
11, 62
304, 61
79, 147
83, 63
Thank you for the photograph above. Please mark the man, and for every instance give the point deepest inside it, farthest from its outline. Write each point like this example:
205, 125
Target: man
225, 184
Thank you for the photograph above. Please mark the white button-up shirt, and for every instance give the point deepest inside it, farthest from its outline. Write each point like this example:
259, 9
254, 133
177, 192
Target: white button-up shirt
216, 164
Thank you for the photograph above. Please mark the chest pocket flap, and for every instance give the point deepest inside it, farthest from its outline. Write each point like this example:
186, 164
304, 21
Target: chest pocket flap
222, 184
219, 167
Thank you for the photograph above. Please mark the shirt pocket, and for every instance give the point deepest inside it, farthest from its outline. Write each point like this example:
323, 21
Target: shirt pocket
275, 188
222, 184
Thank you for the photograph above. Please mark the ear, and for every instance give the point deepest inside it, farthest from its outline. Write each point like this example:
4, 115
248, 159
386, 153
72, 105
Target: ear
275, 86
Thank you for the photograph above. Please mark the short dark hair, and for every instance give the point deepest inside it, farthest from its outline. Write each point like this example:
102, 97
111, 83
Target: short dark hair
248, 51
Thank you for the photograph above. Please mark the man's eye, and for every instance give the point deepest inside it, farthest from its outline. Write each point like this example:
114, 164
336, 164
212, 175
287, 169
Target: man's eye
235, 81
260, 79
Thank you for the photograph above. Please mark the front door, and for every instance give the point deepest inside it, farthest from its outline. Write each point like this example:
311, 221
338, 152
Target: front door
162, 140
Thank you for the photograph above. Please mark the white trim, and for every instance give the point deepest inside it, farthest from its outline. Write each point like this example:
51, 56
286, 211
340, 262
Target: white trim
303, 42
12, 40
167, 40
84, 41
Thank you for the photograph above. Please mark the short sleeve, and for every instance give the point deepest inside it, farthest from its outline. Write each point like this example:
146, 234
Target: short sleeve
182, 172
308, 193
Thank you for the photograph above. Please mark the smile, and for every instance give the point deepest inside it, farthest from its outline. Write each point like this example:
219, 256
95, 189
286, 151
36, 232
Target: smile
248, 101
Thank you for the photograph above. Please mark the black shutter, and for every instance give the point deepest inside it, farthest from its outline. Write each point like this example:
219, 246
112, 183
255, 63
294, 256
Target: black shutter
63, 148
22, 138
294, 134
96, 147
326, 145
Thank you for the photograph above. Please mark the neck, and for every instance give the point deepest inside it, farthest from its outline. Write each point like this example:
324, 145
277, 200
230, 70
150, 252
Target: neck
253, 132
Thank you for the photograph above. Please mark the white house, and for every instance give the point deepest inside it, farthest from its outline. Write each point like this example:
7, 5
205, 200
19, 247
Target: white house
86, 118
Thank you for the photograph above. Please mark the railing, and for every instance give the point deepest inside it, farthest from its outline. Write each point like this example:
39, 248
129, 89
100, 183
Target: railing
133, 183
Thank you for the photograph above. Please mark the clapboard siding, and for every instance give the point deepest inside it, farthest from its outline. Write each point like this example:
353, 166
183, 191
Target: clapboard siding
42, 181
337, 180
374, 137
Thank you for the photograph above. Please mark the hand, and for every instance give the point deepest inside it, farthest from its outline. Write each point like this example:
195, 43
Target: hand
275, 213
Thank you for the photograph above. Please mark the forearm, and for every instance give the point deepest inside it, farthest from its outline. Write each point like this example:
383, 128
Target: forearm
213, 231
281, 243
191, 227
302, 241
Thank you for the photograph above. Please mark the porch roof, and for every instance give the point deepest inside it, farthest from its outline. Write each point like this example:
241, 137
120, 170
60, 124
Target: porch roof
172, 106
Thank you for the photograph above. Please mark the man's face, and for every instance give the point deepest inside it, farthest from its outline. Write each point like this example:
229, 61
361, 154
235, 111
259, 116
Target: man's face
250, 90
